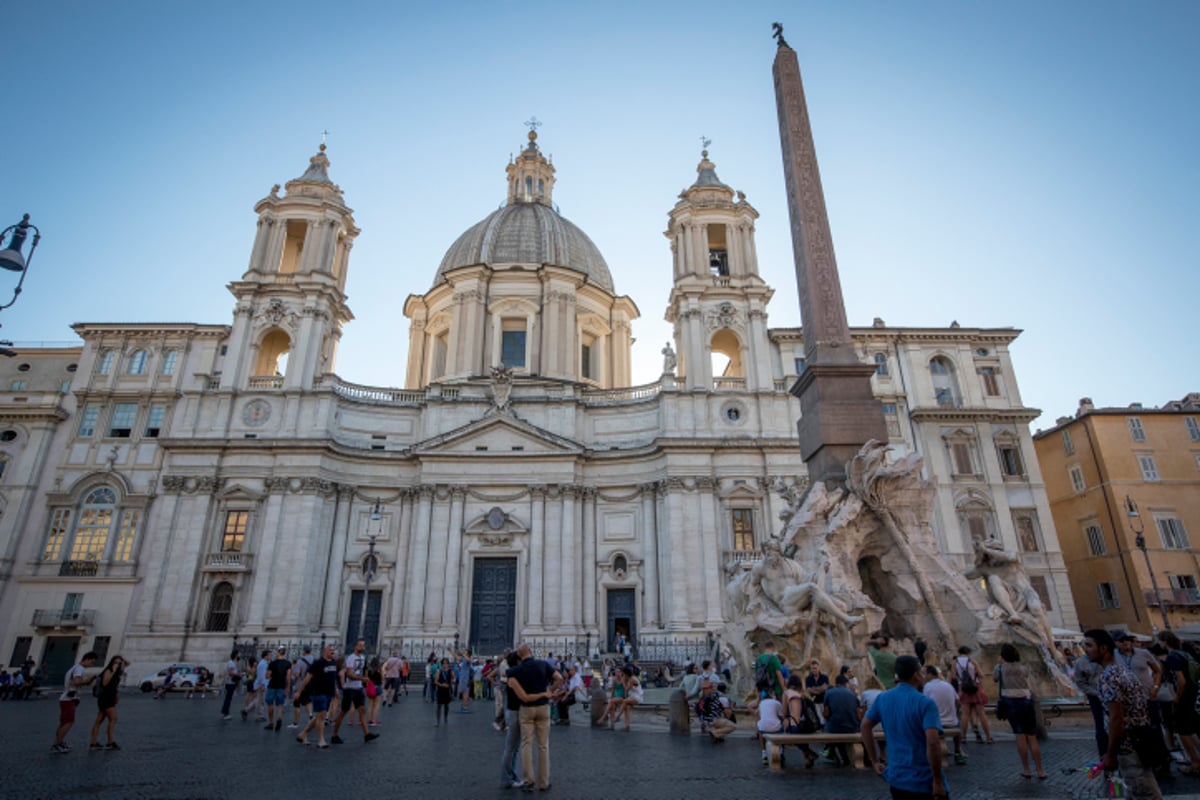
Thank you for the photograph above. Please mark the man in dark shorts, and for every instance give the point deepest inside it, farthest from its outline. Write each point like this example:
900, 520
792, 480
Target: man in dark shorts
1178, 668
68, 701
300, 699
279, 673
353, 693
321, 684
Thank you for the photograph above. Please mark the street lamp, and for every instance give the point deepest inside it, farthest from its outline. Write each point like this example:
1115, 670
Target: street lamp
12, 259
368, 573
1139, 527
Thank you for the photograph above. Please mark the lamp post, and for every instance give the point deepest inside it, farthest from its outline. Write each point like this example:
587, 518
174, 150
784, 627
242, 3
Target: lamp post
12, 259
368, 573
1139, 527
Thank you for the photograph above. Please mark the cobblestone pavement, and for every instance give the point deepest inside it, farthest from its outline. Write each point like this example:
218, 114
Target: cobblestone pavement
179, 748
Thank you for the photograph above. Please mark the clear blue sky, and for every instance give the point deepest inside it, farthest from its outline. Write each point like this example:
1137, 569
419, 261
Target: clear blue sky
1001, 164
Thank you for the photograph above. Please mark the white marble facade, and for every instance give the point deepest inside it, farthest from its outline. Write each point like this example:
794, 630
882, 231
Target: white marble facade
245, 489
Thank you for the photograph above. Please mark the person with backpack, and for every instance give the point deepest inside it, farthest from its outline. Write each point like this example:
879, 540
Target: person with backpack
800, 716
1184, 673
715, 712
971, 695
768, 672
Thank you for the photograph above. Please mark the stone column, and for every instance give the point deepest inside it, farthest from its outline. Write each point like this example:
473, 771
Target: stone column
651, 604
570, 569
537, 559
699, 365
552, 575
677, 592
454, 557
588, 562
435, 575
336, 559
709, 545
403, 554
689, 247
414, 602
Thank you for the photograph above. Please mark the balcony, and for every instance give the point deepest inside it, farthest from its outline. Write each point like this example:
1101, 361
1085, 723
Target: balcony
57, 618
266, 382
748, 557
1173, 597
728, 384
79, 569
228, 561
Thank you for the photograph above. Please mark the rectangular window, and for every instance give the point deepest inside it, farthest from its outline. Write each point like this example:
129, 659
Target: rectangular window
962, 459
19, 385
60, 522
991, 386
1076, 478
1174, 537
944, 396
121, 425
170, 360
87, 420
1068, 445
154, 420
512, 348
20, 650
1183, 581
137, 363
585, 361
126, 535
800, 364
1193, 428
1010, 461
72, 605
1026, 524
891, 418
1149, 467
65, 386
100, 648
106, 362
743, 528
234, 535
1038, 582
1135, 429
1095, 540
1108, 595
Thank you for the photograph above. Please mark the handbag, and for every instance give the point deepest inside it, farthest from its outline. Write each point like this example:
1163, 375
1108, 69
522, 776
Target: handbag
372, 690
1166, 693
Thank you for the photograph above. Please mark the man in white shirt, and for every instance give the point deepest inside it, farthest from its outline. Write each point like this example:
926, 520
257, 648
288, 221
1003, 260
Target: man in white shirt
944, 695
254, 695
69, 699
353, 694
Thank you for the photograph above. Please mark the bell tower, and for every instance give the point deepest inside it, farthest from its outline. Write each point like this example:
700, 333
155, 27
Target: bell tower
718, 301
291, 302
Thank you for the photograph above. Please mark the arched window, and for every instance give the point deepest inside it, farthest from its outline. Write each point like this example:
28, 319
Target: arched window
95, 523
220, 607
273, 353
137, 363
881, 365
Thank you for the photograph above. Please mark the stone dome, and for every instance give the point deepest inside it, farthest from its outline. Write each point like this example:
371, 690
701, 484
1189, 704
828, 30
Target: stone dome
527, 233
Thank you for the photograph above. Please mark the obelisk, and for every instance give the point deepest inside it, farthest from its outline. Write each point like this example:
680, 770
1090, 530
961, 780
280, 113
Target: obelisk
838, 411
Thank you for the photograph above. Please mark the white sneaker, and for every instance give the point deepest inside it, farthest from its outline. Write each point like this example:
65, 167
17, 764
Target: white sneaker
293, 727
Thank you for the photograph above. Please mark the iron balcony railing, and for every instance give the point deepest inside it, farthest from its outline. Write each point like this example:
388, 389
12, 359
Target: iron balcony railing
1173, 597
57, 618
79, 569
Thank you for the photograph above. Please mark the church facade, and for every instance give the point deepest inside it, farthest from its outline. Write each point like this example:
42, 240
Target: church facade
166, 487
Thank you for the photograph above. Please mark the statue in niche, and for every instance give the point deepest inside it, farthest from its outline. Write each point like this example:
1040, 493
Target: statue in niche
669, 360
1013, 597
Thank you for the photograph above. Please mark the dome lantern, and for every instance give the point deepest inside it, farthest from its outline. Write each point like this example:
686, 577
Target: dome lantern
531, 176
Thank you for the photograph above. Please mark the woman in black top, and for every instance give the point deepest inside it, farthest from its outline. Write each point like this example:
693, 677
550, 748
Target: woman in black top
444, 688
106, 701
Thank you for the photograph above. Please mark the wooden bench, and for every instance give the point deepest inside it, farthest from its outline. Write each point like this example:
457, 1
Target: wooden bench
775, 742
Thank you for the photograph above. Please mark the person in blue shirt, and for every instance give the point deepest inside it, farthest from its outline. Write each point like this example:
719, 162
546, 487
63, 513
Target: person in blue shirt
913, 726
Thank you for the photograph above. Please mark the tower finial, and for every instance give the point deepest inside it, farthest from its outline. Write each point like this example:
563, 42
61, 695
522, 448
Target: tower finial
324, 136
777, 34
704, 143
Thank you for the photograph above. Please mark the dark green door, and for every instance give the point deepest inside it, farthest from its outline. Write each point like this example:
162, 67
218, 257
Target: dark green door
493, 605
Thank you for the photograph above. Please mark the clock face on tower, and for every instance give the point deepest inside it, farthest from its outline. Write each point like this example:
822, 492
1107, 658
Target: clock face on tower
256, 412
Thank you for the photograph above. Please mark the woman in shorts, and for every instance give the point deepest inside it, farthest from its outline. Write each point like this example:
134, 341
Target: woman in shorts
106, 702
616, 698
1016, 694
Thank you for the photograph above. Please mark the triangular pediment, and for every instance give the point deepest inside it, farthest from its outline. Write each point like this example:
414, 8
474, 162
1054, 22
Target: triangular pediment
498, 433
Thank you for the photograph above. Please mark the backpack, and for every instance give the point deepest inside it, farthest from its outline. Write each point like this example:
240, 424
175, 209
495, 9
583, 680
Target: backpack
809, 721
764, 681
967, 682
1193, 667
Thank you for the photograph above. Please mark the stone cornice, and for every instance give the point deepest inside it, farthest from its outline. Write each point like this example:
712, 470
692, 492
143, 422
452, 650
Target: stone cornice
1000, 335
974, 414
145, 330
